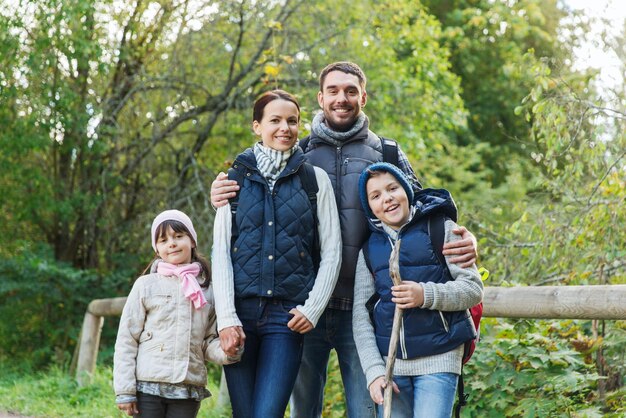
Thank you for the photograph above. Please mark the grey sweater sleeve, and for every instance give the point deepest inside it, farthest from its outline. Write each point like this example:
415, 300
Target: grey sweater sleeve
465, 291
371, 361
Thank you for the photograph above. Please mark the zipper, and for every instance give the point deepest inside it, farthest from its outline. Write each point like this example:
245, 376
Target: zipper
338, 170
443, 320
403, 350
156, 347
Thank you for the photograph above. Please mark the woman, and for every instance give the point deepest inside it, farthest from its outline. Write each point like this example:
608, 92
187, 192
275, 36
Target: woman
269, 288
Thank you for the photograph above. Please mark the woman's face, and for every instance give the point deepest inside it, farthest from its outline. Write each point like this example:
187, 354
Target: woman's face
278, 128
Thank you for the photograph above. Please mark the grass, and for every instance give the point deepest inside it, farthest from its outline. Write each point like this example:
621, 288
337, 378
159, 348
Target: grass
54, 393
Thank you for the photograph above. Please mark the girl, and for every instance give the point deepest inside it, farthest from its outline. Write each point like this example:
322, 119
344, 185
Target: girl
269, 288
167, 330
434, 299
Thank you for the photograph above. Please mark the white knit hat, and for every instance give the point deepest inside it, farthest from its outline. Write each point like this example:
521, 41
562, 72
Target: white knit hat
172, 215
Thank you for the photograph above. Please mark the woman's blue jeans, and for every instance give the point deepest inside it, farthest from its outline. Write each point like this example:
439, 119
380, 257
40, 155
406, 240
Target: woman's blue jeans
260, 384
426, 396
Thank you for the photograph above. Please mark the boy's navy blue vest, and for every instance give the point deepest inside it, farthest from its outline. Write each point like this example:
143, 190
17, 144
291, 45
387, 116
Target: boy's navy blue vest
273, 240
424, 332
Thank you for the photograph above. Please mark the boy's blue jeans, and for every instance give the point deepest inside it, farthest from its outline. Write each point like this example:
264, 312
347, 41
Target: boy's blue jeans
333, 330
427, 396
260, 384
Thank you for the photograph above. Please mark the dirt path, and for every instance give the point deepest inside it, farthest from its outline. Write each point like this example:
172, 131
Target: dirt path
4, 414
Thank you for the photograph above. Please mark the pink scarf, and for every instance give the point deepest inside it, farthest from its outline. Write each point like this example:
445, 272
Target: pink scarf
187, 274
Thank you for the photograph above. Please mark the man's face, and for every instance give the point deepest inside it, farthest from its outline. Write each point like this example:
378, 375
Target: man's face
341, 99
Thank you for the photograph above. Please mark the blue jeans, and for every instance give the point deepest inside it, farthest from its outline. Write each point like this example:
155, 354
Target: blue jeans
260, 384
333, 330
426, 396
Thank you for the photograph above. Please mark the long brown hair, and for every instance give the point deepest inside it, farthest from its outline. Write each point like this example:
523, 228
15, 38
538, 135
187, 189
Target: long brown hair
196, 256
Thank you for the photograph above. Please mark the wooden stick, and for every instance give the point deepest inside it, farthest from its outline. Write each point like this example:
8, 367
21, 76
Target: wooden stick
394, 272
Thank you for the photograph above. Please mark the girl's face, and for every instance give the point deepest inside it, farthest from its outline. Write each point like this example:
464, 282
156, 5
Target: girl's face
388, 200
175, 247
278, 128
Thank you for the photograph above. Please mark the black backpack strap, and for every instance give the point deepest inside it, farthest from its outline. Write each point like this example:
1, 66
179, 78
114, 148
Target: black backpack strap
437, 232
236, 172
304, 142
390, 151
460, 391
309, 183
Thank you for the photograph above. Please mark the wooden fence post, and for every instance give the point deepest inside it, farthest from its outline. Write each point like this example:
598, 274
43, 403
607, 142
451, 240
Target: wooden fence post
90, 335
88, 349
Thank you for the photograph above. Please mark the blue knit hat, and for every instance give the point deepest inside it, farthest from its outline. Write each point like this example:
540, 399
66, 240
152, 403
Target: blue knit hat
389, 168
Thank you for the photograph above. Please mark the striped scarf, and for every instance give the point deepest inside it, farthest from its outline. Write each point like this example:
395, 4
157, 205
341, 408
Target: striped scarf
271, 162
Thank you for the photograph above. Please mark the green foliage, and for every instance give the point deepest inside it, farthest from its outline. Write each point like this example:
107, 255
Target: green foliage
42, 303
528, 370
566, 230
113, 111
334, 396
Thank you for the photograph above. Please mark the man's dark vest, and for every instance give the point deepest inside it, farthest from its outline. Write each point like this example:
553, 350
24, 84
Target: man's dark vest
425, 332
273, 239
344, 165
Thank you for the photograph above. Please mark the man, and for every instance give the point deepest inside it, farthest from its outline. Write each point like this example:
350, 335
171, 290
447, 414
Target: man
342, 144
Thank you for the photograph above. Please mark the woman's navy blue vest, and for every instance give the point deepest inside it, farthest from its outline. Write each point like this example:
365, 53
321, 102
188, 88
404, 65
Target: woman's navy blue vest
273, 240
424, 332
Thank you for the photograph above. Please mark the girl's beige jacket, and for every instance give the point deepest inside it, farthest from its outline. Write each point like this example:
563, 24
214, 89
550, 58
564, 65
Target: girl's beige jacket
162, 338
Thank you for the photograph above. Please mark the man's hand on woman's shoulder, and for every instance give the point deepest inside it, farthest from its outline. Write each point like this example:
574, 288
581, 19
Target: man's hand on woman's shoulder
223, 189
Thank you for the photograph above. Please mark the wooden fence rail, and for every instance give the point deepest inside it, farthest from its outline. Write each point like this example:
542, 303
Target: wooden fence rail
538, 302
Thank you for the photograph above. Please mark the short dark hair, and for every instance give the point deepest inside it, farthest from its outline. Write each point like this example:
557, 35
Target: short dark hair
270, 96
345, 67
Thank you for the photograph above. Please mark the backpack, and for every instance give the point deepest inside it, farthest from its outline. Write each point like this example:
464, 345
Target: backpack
309, 184
436, 231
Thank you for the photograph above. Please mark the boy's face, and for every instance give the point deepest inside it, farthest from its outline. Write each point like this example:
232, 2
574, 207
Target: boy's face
388, 200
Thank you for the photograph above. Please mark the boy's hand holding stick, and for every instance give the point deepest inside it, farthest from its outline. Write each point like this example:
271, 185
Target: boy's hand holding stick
394, 272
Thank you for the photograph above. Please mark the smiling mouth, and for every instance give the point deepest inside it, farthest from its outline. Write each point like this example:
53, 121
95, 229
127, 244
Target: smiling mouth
391, 208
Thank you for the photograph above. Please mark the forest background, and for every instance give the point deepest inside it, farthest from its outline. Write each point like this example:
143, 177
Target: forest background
111, 111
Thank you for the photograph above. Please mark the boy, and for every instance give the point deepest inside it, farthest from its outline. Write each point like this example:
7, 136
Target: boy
434, 299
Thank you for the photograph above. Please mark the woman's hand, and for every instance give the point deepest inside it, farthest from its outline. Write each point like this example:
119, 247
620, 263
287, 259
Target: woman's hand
408, 294
377, 389
232, 340
222, 189
299, 323
129, 408
465, 249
